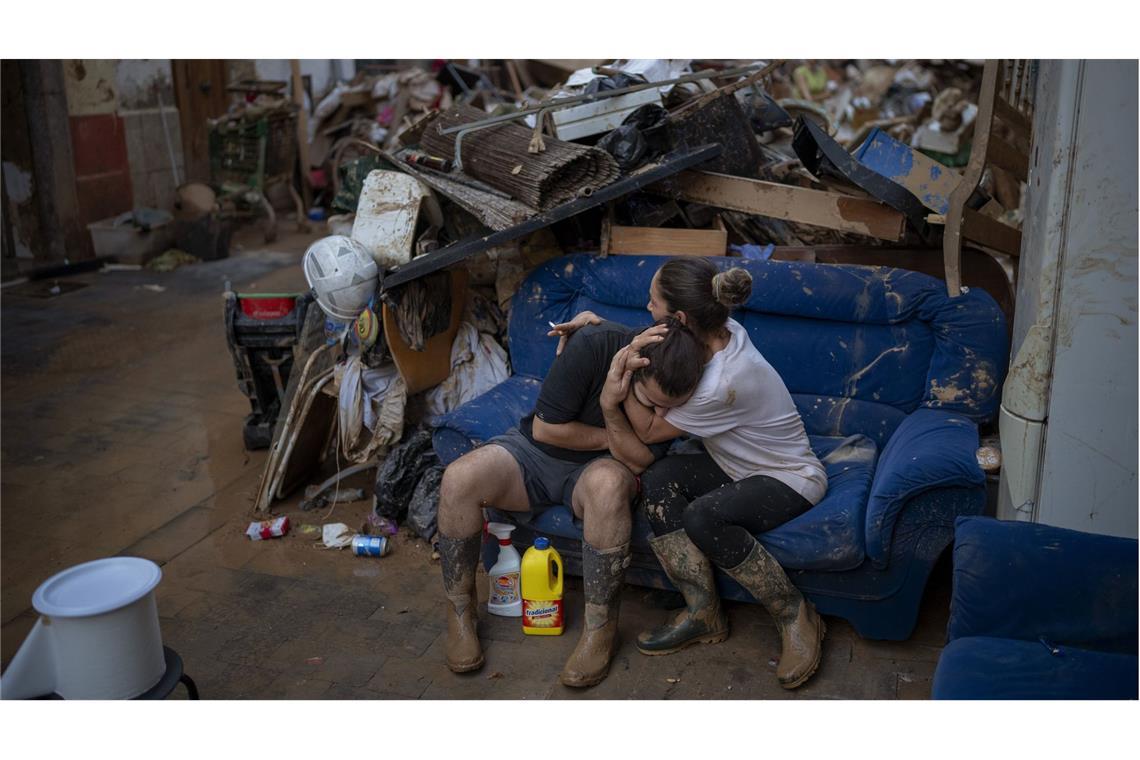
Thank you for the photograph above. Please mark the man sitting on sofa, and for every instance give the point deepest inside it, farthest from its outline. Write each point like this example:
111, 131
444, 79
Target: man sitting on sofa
576, 448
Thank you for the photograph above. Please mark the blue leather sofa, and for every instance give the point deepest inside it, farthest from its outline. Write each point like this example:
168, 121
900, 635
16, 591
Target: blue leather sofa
891, 376
1039, 612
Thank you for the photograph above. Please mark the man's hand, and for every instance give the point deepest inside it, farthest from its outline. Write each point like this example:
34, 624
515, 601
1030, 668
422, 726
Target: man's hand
566, 329
620, 376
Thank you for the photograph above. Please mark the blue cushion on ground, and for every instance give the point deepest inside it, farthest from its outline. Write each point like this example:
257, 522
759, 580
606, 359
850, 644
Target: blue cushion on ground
981, 667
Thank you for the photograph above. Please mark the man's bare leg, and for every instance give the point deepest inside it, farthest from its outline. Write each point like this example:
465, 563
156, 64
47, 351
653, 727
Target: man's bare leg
487, 476
602, 500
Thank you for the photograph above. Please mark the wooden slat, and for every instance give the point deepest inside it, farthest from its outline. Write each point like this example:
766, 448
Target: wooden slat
1014, 118
1002, 154
990, 233
667, 241
796, 204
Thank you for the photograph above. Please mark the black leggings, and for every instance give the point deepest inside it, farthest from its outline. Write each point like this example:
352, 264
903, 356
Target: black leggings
691, 492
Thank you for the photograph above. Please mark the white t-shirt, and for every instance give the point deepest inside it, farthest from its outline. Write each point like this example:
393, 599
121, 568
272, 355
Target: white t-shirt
749, 424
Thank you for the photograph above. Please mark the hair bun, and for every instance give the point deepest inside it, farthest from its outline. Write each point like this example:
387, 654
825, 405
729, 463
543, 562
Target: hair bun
732, 287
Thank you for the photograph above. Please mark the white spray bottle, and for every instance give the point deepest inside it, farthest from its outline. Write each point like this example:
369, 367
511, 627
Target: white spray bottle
505, 598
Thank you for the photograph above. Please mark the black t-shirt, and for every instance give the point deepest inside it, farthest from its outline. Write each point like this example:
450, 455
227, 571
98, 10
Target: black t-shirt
572, 389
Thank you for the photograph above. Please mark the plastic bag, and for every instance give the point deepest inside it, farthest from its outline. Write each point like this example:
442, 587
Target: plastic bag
423, 509
640, 138
402, 469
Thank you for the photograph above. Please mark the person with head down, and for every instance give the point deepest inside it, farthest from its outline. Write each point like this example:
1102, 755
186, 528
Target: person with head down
579, 448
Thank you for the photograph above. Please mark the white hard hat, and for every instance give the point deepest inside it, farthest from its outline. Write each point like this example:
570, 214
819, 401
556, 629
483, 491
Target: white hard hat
342, 274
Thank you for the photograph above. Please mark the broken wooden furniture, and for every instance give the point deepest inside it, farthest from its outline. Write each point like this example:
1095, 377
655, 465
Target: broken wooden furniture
1005, 105
1039, 613
891, 377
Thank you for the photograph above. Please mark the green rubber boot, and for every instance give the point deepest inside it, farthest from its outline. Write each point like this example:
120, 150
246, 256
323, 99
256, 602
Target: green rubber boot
703, 620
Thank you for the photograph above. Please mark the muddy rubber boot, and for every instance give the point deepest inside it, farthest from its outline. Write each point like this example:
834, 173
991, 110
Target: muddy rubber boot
602, 574
801, 628
703, 620
457, 559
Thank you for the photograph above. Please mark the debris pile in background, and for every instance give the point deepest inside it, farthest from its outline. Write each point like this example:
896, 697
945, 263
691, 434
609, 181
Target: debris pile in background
457, 179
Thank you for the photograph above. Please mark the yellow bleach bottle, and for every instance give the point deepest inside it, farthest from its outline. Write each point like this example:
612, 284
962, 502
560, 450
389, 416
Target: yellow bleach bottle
541, 576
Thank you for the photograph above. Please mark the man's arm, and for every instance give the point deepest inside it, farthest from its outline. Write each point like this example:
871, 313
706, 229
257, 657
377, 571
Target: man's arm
624, 444
648, 426
575, 436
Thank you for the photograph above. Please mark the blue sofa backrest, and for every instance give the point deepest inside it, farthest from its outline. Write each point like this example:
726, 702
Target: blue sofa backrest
858, 347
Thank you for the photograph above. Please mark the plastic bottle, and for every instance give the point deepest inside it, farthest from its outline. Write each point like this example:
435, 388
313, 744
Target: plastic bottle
505, 599
542, 590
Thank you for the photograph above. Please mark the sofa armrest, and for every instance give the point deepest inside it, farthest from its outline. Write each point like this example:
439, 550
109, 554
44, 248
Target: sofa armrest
484, 417
930, 449
1025, 581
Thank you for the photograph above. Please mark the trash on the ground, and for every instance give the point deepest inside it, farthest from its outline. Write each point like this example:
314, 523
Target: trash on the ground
773, 662
401, 471
337, 535
382, 526
264, 529
153, 288
371, 546
171, 260
494, 676
315, 499
672, 680
309, 530
314, 660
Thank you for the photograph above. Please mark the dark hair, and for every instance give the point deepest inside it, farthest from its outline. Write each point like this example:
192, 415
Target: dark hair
695, 286
676, 363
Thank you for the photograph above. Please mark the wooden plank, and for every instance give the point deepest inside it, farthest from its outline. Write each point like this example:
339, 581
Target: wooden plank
983, 125
795, 204
302, 133
991, 233
1014, 118
1002, 154
667, 241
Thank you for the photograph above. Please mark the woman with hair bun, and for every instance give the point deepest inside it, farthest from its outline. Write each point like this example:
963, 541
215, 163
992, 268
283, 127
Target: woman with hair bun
756, 473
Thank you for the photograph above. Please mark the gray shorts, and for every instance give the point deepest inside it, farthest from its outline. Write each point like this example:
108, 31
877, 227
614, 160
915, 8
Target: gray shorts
549, 481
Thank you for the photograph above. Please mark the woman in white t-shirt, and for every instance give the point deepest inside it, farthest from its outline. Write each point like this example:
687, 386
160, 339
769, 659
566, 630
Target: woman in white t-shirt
756, 473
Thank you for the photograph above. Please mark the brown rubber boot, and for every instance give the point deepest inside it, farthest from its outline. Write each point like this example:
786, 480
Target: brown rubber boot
602, 574
457, 559
801, 628
702, 621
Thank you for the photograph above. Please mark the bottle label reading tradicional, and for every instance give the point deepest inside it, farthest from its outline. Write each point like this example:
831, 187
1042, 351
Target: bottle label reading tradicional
505, 589
546, 613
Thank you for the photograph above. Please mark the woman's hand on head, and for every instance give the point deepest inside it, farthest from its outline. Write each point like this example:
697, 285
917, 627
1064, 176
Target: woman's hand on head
564, 330
648, 337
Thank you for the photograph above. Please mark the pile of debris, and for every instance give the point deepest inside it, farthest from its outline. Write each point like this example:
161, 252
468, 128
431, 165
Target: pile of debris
452, 183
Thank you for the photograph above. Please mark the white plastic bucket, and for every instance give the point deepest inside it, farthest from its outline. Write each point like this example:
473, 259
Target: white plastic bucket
98, 637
